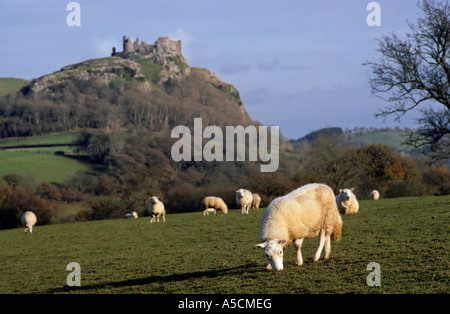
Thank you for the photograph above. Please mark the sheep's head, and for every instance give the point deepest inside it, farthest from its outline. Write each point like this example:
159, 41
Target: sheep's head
346, 194
273, 251
240, 193
153, 199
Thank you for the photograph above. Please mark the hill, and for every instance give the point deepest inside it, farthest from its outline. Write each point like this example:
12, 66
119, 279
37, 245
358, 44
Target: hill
11, 85
151, 88
394, 138
361, 136
197, 254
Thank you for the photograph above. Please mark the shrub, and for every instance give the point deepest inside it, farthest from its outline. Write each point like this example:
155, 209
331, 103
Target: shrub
102, 209
14, 201
411, 187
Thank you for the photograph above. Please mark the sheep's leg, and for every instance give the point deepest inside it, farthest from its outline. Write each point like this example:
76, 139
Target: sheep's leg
298, 246
327, 246
321, 244
157, 218
164, 218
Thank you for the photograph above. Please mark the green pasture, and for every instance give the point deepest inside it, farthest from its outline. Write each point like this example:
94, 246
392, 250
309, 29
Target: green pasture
39, 164
192, 253
11, 85
54, 138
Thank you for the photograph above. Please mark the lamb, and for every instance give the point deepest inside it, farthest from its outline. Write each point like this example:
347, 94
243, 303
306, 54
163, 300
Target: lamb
28, 221
215, 203
244, 198
131, 215
375, 195
346, 201
306, 212
256, 201
156, 209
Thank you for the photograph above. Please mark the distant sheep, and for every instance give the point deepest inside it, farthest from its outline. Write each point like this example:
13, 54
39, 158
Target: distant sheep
256, 201
156, 209
215, 203
131, 215
346, 201
306, 212
375, 195
244, 199
28, 221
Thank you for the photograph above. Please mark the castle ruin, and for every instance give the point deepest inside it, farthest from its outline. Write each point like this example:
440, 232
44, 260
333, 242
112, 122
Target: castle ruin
135, 49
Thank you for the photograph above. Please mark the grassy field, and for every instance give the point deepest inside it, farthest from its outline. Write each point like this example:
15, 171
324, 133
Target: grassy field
40, 164
192, 253
11, 85
56, 138
392, 138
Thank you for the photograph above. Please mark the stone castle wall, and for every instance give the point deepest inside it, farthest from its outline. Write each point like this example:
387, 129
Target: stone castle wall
163, 44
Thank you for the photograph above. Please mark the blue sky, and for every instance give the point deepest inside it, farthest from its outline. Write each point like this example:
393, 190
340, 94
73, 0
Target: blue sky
296, 63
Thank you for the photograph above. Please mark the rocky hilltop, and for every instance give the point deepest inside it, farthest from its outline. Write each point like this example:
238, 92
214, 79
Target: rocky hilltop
147, 86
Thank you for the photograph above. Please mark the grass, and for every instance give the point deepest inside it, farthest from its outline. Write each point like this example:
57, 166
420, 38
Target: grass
55, 138
392, 138
40, 163
41, 166
151, 70
11, 85
191, 253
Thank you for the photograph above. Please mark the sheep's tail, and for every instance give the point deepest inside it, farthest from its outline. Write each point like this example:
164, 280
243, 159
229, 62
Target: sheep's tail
337, 230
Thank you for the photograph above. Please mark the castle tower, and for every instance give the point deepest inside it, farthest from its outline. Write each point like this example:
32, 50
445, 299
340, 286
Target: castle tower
127, 44
136, 45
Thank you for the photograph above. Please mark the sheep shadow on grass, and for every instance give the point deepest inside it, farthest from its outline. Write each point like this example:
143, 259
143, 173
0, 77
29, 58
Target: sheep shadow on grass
162, 279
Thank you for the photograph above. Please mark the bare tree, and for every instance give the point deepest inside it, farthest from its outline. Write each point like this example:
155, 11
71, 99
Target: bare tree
416, 72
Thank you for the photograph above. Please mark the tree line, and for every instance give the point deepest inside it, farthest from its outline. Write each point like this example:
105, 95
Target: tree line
136, 166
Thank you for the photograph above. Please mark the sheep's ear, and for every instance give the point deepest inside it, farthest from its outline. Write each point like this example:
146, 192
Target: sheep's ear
281, 241
352, 189
340, 190
261, 245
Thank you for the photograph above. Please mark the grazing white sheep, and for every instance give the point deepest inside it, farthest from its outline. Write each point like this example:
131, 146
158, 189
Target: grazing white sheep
213, 202
306, 212
346, 201
244, 199
28, 221
256, 201
131, 215
209, 210
375, 195
156, 209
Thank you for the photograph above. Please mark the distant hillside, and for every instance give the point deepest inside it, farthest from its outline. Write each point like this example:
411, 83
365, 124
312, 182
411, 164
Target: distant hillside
391, 137
361, 136
11, 85
310, 137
